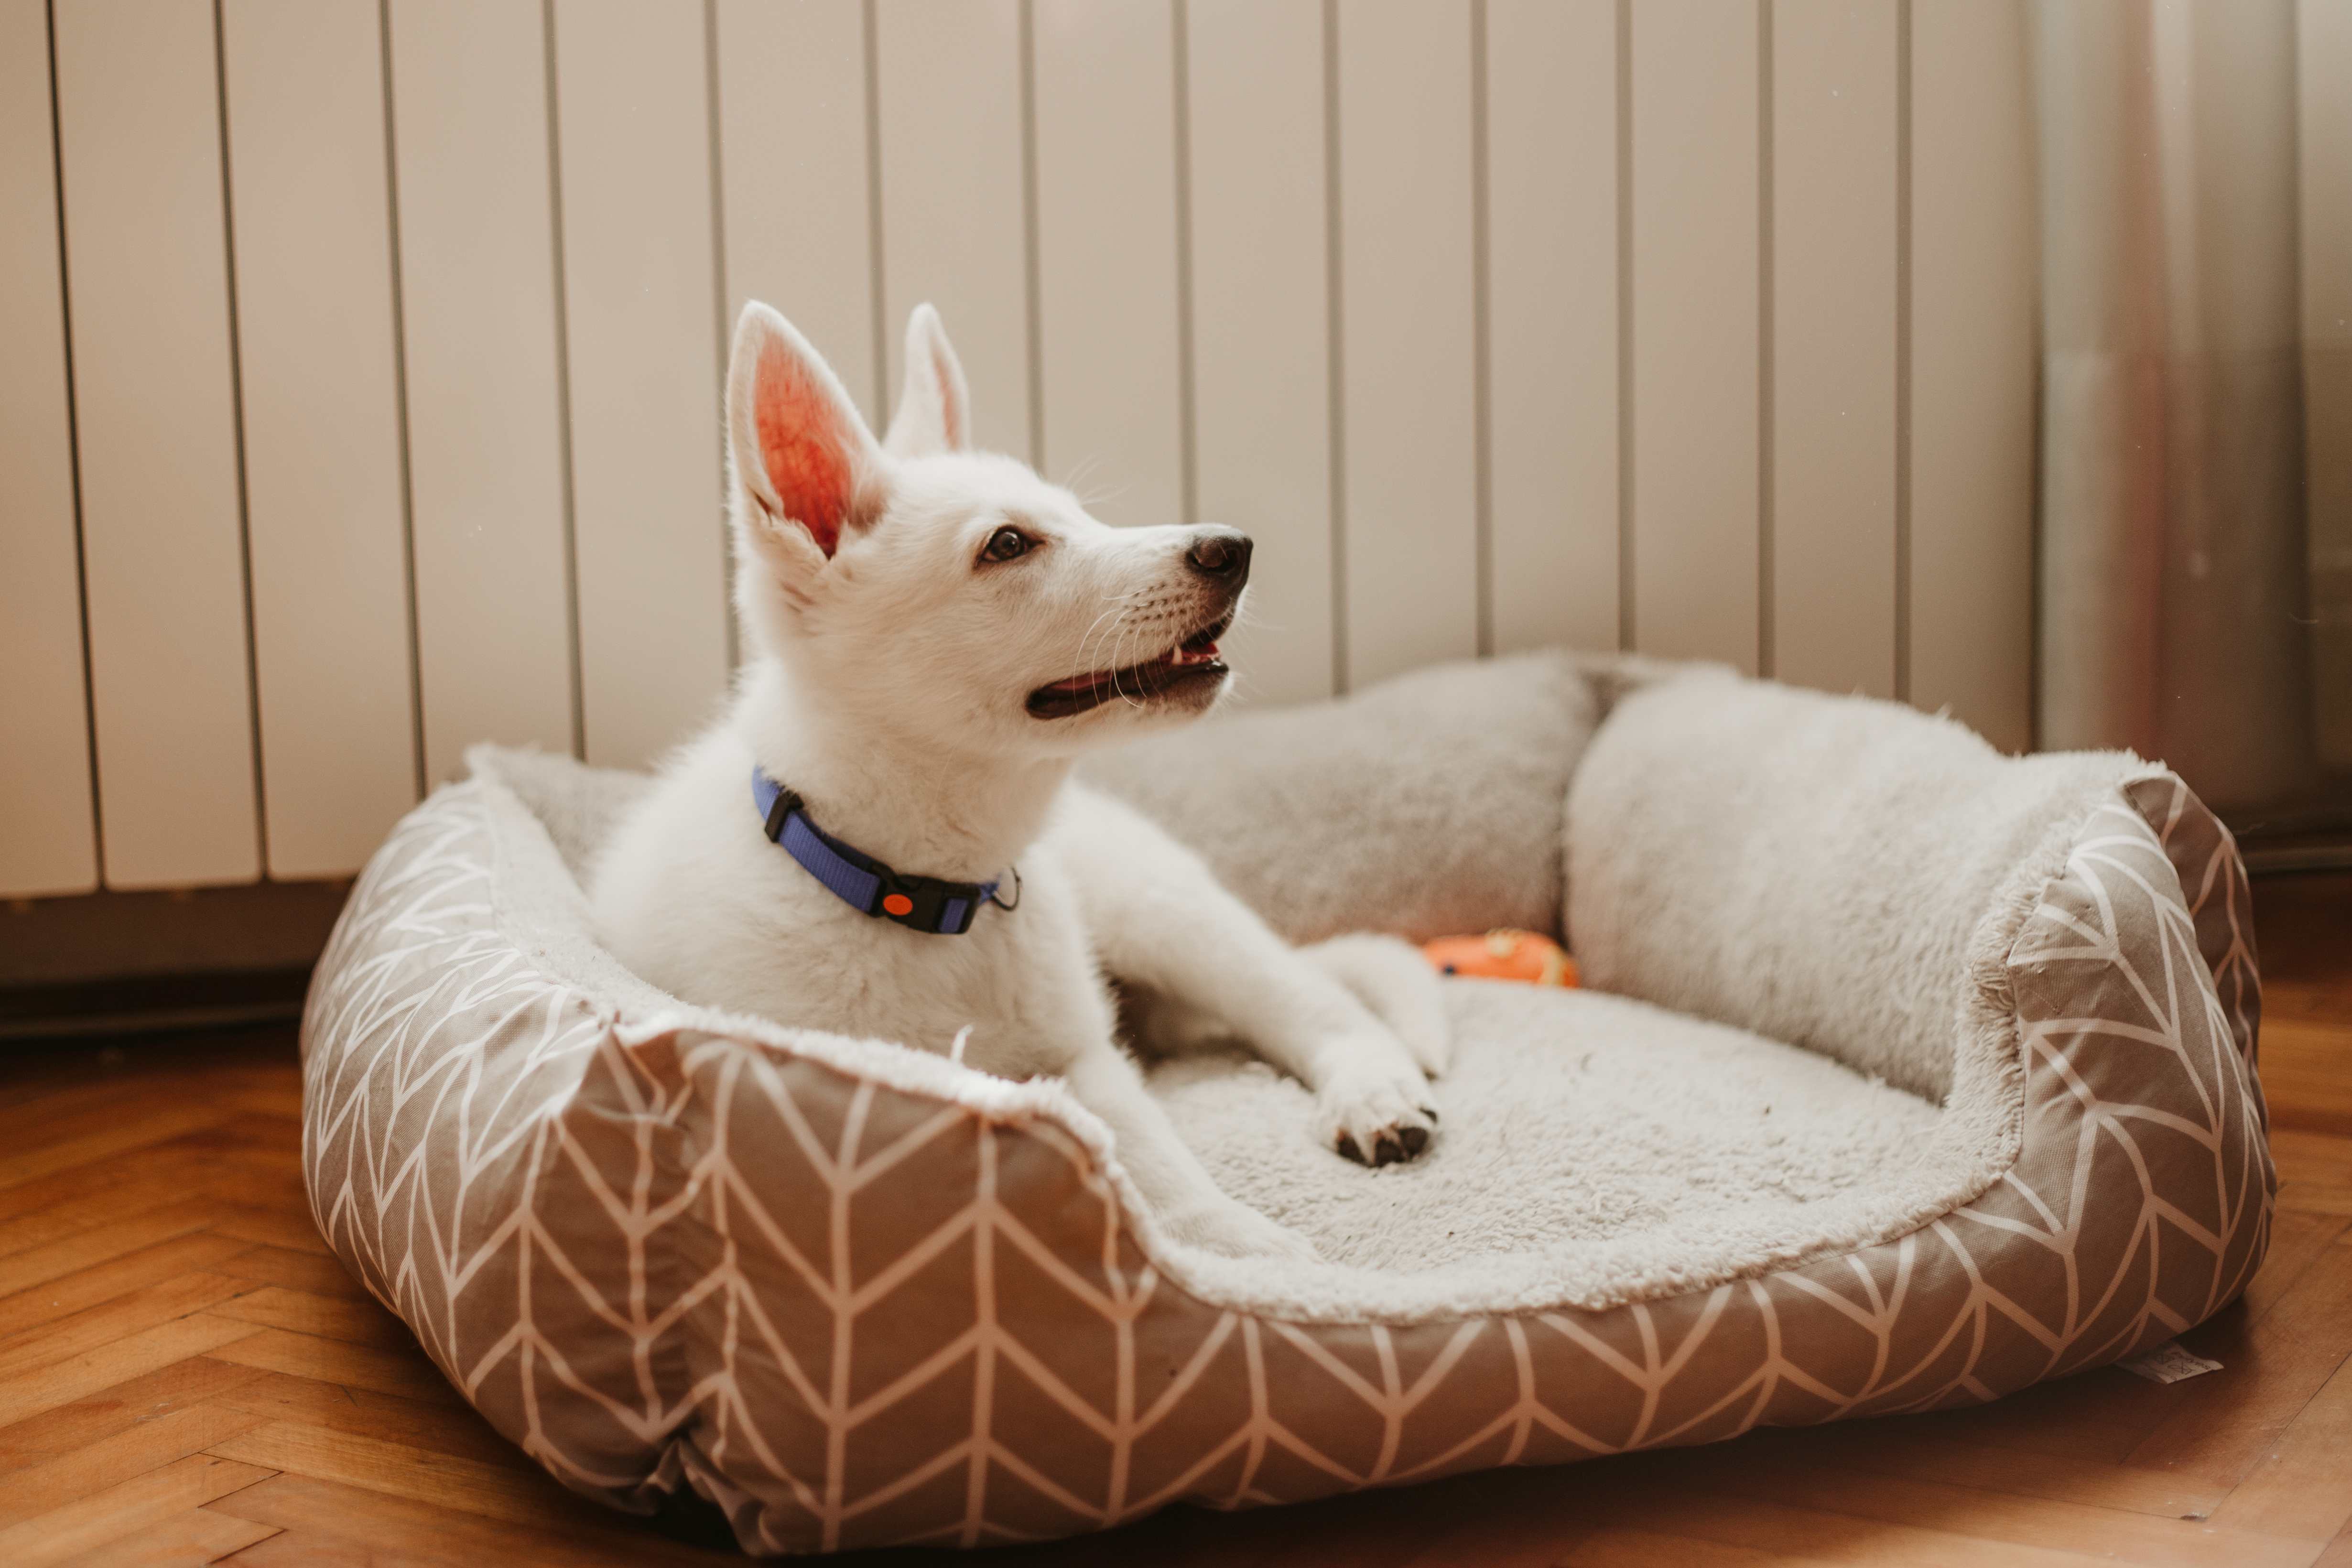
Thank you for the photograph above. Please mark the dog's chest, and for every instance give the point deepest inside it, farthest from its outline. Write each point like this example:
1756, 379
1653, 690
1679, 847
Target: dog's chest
692, 895
1020, 980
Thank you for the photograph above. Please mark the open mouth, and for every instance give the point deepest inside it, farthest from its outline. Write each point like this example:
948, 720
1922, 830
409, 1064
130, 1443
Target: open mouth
1188, 667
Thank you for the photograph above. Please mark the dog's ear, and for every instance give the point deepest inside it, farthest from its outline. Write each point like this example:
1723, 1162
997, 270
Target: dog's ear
934, 407
808, 466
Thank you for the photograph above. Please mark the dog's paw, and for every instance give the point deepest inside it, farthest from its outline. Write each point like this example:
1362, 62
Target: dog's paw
1376, 1115
1237, 1230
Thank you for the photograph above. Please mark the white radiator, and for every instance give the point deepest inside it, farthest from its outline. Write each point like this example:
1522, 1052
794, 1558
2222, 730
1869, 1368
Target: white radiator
359, 362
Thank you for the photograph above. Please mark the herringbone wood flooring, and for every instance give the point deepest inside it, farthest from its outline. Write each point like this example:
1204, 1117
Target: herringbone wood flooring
186, 1377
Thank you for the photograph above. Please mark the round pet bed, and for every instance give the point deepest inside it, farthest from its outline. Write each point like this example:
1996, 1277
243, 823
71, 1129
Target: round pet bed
1907, 1075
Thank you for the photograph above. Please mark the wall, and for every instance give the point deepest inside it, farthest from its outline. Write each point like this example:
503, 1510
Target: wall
359, 361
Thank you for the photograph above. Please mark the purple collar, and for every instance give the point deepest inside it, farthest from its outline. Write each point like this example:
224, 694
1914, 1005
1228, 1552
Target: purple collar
925, 903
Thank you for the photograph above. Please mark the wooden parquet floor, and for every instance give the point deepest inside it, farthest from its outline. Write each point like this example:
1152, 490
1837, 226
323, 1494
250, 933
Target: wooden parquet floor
186, 1377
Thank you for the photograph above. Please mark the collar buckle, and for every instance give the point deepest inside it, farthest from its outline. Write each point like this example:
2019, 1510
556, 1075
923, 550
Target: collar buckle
922, 903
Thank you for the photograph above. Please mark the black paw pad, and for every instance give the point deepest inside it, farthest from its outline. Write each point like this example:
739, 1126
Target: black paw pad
1414, 1139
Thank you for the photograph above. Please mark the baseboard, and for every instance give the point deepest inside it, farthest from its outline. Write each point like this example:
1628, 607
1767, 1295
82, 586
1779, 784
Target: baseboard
102, 936
125, 963
152, 1004
2270, 860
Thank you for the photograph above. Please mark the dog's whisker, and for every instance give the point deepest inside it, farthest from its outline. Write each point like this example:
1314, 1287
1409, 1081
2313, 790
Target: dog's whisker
1119, 604
1077, 477
1088, 498
1111, 641
1117, 641
1136, 700
1088, 636
1091, 654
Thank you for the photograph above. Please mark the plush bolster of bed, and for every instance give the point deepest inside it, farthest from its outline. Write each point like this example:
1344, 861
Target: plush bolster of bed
1428, 805
1817, 869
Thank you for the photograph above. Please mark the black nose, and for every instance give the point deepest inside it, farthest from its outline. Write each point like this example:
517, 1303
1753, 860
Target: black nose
1221, 553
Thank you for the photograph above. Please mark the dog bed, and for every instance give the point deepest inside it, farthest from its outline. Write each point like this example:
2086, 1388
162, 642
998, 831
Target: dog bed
1907, 1075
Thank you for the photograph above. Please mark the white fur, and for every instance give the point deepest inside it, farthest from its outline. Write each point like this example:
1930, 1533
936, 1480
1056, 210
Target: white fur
887, 685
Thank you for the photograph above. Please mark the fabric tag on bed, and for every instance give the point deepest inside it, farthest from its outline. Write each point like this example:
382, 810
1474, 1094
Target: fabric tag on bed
2168, 1362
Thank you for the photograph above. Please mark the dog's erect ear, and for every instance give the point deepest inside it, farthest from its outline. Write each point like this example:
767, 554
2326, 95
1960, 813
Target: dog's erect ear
934, 408
798, 445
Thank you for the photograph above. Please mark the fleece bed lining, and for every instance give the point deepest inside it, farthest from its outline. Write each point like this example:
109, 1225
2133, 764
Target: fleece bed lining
1549, 1200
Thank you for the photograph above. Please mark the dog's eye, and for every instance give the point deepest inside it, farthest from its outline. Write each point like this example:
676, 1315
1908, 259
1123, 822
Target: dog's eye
1006, 544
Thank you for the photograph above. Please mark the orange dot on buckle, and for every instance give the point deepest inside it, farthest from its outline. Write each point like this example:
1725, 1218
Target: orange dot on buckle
899, 903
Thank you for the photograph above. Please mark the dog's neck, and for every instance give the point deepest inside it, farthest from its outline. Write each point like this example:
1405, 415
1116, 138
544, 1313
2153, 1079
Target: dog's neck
890, 795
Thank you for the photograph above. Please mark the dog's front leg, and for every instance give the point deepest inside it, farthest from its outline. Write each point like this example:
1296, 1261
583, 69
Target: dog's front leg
1158, 919
1184, 1196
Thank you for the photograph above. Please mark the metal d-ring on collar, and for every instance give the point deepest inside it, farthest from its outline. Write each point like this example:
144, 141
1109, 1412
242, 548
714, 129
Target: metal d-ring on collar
927, 903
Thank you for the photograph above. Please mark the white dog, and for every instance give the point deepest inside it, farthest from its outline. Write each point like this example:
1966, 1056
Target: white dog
879, 838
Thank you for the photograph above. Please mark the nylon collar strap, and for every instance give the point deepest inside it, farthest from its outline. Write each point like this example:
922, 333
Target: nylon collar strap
927, 903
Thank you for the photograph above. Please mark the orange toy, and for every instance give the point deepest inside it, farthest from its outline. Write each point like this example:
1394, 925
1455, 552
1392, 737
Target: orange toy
1503, 954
